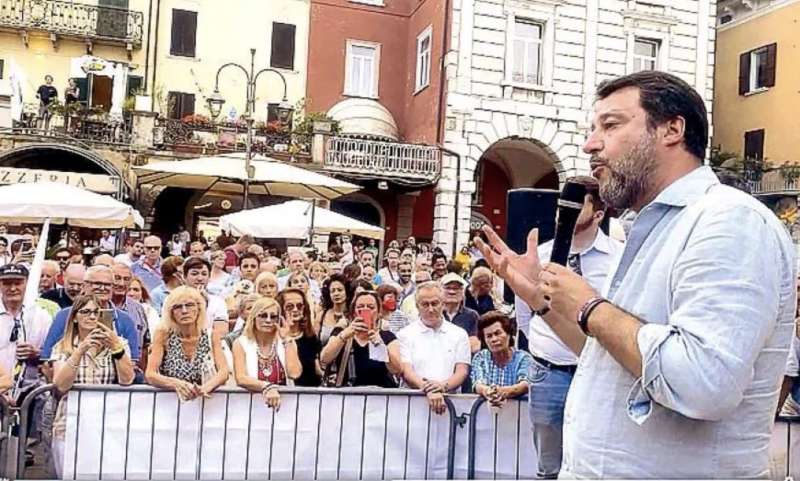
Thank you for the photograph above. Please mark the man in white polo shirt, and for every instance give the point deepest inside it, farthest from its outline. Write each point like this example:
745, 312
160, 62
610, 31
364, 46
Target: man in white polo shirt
435, 352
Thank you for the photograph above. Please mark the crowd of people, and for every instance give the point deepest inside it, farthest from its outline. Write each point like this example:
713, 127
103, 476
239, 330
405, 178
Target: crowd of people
191, 316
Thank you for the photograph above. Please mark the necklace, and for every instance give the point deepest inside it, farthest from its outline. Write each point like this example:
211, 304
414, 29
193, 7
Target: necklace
266, 361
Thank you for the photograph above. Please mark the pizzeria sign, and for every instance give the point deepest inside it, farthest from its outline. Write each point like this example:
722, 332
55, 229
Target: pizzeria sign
102, 184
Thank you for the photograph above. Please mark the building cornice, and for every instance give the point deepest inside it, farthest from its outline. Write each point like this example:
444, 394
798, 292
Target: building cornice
758, 14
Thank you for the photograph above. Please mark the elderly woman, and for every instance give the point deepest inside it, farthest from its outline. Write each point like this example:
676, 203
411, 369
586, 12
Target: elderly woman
185, 356
336, 295
172, 277
89, 353
267, 285
297, 313
219, 279
499, 371
362, 354
478, 296
262, 359
392, 318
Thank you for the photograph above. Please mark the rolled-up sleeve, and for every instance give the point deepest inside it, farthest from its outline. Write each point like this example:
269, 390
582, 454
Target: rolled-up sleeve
726, 296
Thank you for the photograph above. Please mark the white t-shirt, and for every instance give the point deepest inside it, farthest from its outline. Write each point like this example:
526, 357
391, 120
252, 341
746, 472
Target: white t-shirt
433, 354
216, 310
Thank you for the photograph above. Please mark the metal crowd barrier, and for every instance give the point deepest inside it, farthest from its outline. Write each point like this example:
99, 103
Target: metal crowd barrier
494, 449
348, 397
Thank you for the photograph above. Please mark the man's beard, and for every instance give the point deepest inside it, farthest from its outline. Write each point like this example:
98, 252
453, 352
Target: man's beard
629, 176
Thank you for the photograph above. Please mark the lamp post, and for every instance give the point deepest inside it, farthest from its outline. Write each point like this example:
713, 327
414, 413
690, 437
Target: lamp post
216, 101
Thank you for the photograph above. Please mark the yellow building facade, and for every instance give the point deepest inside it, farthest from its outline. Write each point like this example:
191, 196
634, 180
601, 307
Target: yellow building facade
757, 80
167, 49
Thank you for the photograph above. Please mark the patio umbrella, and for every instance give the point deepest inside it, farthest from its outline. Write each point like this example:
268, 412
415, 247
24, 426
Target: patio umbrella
227, 173
35, 202
293, 220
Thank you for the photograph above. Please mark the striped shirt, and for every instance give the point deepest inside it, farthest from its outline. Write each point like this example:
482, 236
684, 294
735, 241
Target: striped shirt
486, 371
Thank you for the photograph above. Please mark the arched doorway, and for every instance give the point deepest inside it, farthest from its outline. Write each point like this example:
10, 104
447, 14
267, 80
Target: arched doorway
51, 158
511, 163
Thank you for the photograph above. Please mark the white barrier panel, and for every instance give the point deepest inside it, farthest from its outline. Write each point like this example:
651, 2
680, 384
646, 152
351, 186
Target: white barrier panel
151, 435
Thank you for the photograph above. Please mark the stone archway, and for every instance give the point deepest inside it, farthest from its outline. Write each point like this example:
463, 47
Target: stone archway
63, 158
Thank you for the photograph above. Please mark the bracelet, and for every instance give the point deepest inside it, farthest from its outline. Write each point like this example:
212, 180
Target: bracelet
267, 386
586, 311
118, 354
75, 366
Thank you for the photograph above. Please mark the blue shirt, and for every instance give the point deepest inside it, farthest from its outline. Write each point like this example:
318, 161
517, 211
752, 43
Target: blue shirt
711, 273
486, 371
150, 276
122, 323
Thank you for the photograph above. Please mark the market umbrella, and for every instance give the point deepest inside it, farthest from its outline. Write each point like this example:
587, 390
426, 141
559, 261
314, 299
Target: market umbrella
227, 173
35, 202
293, 220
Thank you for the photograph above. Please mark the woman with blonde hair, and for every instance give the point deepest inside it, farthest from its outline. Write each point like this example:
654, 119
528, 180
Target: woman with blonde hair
185, 356
89, 353
218, 279
262, 358
318, 271
267, 285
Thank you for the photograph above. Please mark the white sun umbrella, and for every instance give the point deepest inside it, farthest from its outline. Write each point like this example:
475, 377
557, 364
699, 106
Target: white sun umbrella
292, 220
227, 173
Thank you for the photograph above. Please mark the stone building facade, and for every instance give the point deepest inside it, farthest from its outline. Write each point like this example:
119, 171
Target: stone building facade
521, 76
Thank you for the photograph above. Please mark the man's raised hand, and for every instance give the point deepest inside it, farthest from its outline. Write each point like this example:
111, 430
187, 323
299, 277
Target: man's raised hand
520, 271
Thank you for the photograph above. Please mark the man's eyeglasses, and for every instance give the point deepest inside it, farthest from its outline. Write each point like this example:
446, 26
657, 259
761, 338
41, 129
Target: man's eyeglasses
430, 305
89, 312
125, 279
62, 258
97, 285
152, 248
189, 306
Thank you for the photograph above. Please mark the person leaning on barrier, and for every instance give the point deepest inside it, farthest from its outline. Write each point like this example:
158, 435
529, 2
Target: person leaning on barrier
499, 371
263, 358
435, 352
185, 356
90, 352
297, 321
362, 354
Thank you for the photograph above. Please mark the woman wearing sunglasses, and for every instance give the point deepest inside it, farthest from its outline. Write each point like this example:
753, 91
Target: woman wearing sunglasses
185, 356
262, 358
298, 326
362, 354
89, 353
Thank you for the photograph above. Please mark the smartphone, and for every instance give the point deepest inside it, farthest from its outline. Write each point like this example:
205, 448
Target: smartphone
368, 318
107, 318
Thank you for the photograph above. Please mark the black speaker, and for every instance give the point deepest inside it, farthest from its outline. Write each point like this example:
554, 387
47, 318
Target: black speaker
530, 209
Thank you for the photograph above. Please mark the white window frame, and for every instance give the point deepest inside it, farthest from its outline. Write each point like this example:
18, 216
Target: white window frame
423, 70
644, 58
663, 40
376, 68
547, 21
753, 77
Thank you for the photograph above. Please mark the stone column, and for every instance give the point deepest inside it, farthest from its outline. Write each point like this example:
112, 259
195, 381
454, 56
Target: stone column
453, 198
405, 214
142, 130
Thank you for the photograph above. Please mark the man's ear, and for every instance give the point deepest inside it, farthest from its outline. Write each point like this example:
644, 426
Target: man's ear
674, 131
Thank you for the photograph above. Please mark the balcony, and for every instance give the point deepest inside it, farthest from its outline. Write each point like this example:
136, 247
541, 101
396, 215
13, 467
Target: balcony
776, 183
409, 164
63, 18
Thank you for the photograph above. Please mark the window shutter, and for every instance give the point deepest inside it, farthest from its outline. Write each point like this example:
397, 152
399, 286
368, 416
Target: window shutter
83, 88
744, 73
184, 33
2, 67
754, 144
187, 105
769, 72
282, 51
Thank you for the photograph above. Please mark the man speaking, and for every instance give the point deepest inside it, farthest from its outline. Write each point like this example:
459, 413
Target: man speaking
682, 352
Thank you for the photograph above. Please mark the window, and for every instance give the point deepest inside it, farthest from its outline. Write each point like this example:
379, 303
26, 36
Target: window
180, 105
272, 114
362, 64
112, 22
725, 19
645, 54
184, 33
526, 52
757, 69
135, 83
282, 53
754, 144
2, 67
423, 59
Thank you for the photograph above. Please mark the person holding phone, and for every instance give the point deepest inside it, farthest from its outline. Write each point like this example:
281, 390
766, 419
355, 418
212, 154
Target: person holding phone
263, 358
362, 354
90, 352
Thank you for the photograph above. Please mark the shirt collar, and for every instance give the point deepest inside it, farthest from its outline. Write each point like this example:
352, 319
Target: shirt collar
444, 326
688, 188
602, 243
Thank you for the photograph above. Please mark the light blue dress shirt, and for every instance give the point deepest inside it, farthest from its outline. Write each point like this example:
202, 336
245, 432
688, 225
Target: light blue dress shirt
711, 272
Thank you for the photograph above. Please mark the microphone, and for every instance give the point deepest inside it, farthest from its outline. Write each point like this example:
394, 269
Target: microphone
570, 204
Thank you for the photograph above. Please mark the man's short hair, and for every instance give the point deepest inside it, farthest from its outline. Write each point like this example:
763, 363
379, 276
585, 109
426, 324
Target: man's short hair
249, 255
664, 97
96, 270
195, 263
429, 286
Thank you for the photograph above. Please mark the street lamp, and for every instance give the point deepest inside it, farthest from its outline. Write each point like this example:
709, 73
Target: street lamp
216, 101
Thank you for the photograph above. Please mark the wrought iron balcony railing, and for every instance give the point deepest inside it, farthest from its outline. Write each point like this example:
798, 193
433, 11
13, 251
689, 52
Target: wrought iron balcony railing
776, 184
406, 163
66, 18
